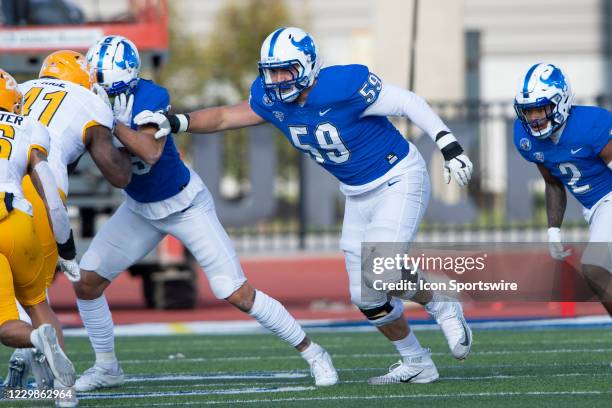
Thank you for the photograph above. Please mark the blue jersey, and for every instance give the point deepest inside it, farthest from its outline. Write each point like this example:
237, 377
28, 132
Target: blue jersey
355, 149
169, 175
575, 158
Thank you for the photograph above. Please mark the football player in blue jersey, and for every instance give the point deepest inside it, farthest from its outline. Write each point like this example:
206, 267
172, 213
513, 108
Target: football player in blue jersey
572, 148
164, 197
338, 115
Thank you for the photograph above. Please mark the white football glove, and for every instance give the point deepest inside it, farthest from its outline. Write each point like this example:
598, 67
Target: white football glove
158, 119
122, 108
71, 269
460, 167
101, 93
555, 247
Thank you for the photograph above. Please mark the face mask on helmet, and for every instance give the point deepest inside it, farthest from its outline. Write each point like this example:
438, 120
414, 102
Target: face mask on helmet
116, 64
544, 100
288, 64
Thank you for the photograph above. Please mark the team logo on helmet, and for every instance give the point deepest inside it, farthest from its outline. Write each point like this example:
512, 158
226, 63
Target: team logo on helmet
554, 78
306, 45
525, 144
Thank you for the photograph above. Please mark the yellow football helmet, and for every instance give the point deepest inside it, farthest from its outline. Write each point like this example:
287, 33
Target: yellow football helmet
10, 97
67, 65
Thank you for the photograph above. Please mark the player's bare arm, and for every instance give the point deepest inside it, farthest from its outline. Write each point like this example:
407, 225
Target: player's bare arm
556, 199
208, 120
115, 164
221, 118
606, 154
140, 143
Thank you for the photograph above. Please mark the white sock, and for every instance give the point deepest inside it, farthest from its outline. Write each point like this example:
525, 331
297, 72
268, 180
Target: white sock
312, 351
98, 321
274, 317
408, 346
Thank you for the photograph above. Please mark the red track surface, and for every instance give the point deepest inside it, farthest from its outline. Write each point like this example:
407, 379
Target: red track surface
311, 288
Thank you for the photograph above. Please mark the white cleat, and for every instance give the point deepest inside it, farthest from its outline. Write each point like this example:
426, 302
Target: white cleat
416, 370
41, 371
45, 341
96, 377
18, 369
323, 371
449, 315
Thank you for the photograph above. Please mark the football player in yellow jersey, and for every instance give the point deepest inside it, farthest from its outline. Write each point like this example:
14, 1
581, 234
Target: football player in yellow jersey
24, 144
78, 120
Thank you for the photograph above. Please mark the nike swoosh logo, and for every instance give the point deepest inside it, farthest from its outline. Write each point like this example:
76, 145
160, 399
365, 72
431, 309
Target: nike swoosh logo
407, 380
321, 113
392, 183
576, 151
466, 337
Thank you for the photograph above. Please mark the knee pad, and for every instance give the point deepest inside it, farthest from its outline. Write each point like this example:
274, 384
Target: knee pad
225, 279
385, 314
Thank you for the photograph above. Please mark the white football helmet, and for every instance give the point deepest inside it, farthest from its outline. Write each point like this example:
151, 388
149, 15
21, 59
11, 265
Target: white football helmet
286, 48
544, 85
116, 64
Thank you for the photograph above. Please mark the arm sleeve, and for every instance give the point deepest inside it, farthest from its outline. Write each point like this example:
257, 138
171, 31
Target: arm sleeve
57, 211
395, 101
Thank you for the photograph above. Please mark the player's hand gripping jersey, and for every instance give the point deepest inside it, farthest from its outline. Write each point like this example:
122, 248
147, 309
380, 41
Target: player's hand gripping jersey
169, 175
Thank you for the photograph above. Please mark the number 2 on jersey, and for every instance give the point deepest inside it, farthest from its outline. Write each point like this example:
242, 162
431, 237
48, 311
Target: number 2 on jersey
53, 102
6, 132
570, 168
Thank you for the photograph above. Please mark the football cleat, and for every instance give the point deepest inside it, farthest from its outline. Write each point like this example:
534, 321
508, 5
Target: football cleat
45, 341
449, 315
323, 371
419, 369
18, 369
96, 377
40, 370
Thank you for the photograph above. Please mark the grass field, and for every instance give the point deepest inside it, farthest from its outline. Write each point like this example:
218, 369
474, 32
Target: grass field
507, 368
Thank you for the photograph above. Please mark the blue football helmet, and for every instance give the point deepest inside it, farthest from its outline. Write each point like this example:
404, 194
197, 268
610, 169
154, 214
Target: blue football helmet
292, 49
116, 64
544, 86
